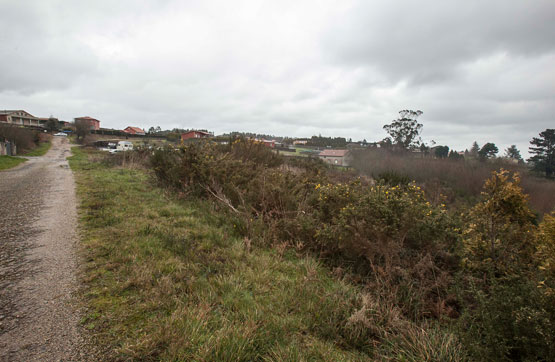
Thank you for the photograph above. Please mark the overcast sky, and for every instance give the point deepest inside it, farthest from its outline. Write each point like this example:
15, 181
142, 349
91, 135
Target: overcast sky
480, 70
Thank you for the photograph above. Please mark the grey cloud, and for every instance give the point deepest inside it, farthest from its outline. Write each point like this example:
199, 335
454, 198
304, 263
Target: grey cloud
426, 41
35, 55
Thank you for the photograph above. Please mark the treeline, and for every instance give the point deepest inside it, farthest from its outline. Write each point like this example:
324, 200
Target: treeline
334, 142
404, 136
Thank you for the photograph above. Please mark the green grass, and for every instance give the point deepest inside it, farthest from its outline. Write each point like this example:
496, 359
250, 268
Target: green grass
40, 150
9, 162
170, 280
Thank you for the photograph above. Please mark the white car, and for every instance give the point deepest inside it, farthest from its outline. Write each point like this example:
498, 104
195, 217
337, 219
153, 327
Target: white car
61, 134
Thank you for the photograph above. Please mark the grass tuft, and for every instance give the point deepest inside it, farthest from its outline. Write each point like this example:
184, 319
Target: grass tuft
7, 162
40, 150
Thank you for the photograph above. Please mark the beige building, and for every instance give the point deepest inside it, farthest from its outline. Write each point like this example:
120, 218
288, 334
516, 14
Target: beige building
336, 157
20, 117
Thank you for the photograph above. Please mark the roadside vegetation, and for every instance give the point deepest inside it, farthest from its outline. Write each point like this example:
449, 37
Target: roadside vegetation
174, 279
29, 142
230, 252
7, 162
40, 150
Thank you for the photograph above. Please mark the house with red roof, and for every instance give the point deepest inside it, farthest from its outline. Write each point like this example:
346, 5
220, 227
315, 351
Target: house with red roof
93, 122
195, 134
336, 157
135, 130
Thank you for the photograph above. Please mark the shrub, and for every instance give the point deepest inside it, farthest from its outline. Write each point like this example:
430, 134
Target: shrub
393, 178
392, 234
388, 232
24, 138
545, 241
507, 316
498, 238
511, 320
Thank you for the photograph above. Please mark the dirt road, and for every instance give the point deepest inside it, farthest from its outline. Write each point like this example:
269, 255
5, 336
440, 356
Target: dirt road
38, 262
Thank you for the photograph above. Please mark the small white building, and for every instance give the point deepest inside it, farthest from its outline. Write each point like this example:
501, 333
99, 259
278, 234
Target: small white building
124, 146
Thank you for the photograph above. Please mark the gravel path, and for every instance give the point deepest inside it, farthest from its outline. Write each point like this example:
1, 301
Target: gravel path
38, 261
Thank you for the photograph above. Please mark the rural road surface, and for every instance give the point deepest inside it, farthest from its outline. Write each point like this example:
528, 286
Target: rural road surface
38, 260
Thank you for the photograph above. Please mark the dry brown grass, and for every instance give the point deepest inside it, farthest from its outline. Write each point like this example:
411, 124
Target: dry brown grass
450, 181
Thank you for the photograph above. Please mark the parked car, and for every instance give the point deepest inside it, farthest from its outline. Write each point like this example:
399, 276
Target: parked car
61, 134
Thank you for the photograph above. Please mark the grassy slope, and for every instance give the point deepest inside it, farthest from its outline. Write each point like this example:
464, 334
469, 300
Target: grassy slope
40, 150
9, 162
168, 280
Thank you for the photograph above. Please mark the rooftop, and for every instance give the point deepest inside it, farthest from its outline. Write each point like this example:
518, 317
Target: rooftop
10, 111
334, 153
88, 118
135, 129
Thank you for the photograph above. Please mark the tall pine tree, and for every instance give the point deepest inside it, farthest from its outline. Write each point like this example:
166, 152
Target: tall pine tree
543, 149
474, 150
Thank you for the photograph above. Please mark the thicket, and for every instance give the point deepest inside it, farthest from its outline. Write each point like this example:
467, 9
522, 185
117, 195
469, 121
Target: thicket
486, 273
453, 180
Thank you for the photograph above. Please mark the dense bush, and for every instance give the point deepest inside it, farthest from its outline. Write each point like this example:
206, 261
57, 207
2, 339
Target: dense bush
510, 312
458, 180
24, 138
391, 239
510, 320
391, 235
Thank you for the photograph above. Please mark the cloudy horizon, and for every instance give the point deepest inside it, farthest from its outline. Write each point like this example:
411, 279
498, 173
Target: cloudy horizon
480, 71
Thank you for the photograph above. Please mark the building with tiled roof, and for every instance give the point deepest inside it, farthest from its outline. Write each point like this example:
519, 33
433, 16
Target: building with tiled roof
20, 117
93, 122
336, 157
135, 130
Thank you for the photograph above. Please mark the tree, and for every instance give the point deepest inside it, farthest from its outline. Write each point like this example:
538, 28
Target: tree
441, 151
424, 148
474, 150
543, 149
52, 124
82, 129
405, 131
489, 150
386, 143
453, 155
513, 153
154, 129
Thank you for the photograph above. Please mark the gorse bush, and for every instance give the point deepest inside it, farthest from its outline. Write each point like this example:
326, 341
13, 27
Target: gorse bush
499, 230
391, 235
397, 237
510, 311
393, 178
546, 254
493, 267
